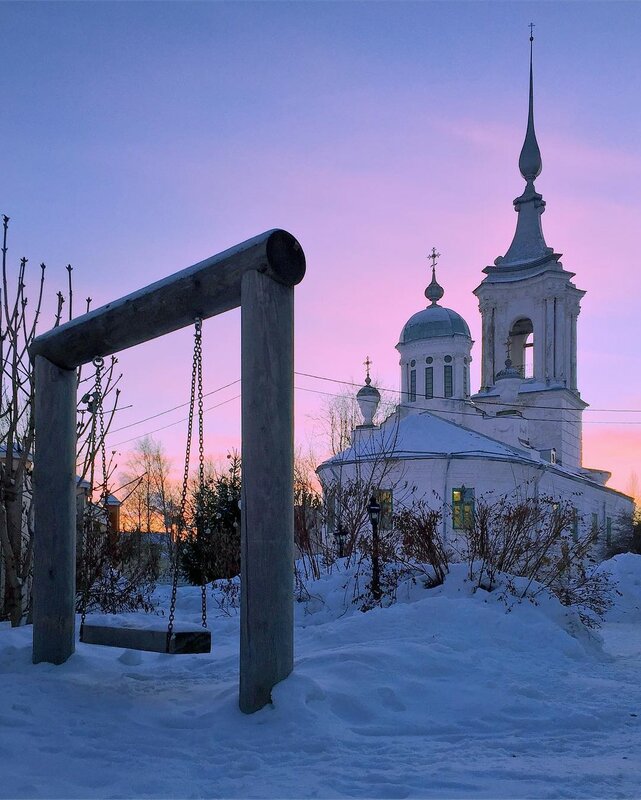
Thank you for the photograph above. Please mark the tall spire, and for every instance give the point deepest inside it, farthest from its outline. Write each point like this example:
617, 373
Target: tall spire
528, 246
530, 163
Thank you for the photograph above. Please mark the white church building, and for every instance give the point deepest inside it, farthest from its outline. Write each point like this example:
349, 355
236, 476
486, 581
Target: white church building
520, 435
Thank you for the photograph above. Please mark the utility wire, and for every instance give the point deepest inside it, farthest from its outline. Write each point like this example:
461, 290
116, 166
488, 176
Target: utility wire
514, 405
474, 414
174, 408
353, 384
172, 424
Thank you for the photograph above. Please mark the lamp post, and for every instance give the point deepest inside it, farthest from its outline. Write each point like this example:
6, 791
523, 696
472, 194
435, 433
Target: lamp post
374, 512
340, 535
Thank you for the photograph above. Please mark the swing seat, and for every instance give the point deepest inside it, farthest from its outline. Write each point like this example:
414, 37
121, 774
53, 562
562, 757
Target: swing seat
141, 634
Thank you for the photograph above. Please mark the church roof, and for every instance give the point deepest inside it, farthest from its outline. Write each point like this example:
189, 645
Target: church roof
423, 434
432, 322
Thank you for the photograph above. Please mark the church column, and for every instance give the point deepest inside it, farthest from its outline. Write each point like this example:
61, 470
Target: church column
549, 338
487, 362
539, 326
562, 327
573, 376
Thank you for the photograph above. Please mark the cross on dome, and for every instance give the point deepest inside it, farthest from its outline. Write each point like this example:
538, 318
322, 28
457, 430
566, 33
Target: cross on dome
368, 363
434, 291
434, 257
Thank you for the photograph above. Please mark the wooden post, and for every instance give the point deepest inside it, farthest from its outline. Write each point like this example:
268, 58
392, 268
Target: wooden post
267, 518
54, 569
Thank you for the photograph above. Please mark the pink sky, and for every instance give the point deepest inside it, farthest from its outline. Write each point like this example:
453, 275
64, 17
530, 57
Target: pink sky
141, 138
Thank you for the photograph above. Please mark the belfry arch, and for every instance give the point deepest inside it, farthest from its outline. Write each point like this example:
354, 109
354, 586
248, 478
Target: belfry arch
258, 275
521, 338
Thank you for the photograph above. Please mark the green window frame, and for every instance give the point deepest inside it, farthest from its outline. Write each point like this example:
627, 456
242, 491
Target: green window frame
462, 507
575, 525
385, 498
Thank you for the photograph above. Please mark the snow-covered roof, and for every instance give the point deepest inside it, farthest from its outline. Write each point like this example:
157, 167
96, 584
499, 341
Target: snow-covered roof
423, 434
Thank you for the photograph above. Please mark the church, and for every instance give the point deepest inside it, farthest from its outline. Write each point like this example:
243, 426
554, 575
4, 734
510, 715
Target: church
520, 435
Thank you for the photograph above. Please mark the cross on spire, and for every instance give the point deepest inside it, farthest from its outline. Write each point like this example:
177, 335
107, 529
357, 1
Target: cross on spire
368, 363
434, 257
531, 27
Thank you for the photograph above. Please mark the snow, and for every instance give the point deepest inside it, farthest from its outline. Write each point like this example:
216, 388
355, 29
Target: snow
424, 434
445, 694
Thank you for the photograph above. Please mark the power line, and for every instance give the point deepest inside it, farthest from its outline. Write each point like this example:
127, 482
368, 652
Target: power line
473, 414
353, 384
514, 405
174, 408
172, 424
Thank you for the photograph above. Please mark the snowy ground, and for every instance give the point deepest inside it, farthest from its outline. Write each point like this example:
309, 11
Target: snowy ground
444, 695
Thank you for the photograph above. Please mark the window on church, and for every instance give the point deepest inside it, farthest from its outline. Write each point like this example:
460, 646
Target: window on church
462, 508
448, 383
385, 499
594, 528
528, 356
608, 531
412, 391
575, 525
521, 347
466, 380
429, 383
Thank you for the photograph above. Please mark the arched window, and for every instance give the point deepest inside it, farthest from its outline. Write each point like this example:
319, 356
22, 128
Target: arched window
522, 347
528, 356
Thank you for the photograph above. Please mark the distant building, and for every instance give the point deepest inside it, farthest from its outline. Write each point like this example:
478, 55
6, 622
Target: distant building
520, 435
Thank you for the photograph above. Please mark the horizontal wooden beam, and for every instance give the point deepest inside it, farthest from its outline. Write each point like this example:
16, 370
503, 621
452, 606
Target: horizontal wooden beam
203, 290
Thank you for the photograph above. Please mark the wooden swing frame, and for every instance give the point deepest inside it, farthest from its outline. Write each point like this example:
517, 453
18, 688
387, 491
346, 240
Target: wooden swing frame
258, 275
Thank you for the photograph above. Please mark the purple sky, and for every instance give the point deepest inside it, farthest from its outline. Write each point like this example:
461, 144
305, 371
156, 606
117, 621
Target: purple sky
139, 138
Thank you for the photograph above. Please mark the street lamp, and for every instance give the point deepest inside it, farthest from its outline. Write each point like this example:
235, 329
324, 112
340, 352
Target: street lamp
340, 535
374, 512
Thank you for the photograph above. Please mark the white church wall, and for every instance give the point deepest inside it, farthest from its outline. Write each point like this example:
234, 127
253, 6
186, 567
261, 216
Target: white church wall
433, 480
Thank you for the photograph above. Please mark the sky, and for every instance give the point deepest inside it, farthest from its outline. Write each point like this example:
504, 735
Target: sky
140, 138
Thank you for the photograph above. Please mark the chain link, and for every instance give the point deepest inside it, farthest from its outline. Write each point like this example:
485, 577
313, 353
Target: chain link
196, 389
94, 404
198, 355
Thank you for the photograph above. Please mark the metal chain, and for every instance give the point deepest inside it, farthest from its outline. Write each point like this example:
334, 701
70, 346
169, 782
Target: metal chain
183, 495
198, 355
94, 404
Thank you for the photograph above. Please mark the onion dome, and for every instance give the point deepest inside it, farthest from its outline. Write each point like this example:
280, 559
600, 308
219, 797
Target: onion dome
368, 397
508, 371
435, 320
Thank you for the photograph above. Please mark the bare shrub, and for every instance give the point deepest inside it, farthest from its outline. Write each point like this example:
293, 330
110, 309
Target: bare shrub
420, 541
114, 574
532, 539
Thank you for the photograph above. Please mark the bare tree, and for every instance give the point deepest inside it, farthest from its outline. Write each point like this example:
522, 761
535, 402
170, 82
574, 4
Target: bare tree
151, 501
19, 325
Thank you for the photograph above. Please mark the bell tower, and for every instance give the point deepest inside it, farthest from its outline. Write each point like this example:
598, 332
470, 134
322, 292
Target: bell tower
529, 308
